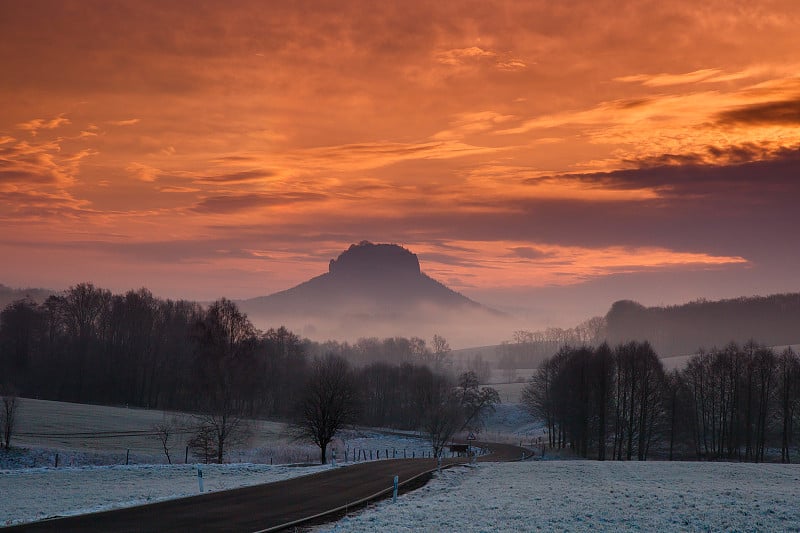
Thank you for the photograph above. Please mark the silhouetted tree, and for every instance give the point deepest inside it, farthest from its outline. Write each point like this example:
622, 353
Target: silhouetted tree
440, 349
476, 402
442, 419
789, 395
225, 343
8, 413
329, 402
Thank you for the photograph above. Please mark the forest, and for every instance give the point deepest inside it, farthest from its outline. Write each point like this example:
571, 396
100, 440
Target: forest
734, 403
88, 345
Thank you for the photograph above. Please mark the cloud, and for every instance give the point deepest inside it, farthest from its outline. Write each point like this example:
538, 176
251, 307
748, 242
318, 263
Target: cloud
664, 80
511, 65
371, 155
27, 165
225, 204
127, 122
460, 56
244, 176
33, 126
528, 252
465, 124
143, 172
782, 112
551, 264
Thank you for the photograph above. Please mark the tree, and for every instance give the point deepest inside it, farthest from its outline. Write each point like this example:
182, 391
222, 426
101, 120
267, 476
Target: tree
442, 420
81, 312
330, 402
441, 350
455, 409
164, 433
21, 324
476, 403
8, 414
225, 343
789, 383
537, 397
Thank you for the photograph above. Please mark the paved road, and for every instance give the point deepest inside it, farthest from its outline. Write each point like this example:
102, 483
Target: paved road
258, 507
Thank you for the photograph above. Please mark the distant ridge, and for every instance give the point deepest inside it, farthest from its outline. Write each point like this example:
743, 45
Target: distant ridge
9, 295
682, 329
368, 283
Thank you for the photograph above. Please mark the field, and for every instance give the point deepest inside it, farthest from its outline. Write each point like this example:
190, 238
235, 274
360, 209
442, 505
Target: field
586, 496
548, 495
92, 443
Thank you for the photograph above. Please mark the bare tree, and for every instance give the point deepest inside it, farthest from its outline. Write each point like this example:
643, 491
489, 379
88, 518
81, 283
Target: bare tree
476, 402
330, 402
203, 444
441, 350
8, 415
216, 430
455, 409
441, 421
225, 343
165, 431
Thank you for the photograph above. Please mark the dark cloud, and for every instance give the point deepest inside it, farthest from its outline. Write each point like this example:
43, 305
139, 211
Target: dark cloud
174, 251
445, 259
241, 202
236, 177
24, 176
781, 112
529, 252
688, 175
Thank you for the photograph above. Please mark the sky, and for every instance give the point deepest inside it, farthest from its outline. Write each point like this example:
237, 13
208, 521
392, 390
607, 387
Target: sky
543, 157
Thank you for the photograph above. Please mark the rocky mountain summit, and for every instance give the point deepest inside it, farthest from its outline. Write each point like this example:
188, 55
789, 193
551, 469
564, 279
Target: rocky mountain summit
367, 286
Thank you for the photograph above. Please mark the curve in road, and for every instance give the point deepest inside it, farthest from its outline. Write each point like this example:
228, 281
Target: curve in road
262, 507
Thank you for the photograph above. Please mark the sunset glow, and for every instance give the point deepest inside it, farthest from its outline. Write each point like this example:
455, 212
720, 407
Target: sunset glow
231, 149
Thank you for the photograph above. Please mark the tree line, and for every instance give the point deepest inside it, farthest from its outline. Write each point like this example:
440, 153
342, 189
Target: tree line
734, 403
91, 346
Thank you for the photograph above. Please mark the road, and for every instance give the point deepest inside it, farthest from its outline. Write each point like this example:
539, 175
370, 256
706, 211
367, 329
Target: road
258, 507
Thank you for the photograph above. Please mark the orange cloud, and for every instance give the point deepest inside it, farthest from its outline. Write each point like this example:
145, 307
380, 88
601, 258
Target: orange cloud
33, 126
541, 264
531, 133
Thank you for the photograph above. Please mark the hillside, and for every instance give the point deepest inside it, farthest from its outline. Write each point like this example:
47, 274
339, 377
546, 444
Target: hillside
8, 295
680, 329
369, 290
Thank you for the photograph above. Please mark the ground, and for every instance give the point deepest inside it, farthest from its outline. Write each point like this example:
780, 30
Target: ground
553, 495
593, 496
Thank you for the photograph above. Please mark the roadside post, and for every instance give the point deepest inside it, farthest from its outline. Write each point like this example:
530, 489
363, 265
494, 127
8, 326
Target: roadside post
394, 493
200, 478
470, 438
333, 458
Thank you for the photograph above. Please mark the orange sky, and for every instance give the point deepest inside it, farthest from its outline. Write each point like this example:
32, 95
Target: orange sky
204, 149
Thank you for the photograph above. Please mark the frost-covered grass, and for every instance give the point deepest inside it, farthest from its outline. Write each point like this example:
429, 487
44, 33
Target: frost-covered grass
594, 496
78, 490
48, 424
39, 493
93, 435
92, 474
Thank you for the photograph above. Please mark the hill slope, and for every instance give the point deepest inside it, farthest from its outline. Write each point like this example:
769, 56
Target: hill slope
681, 329
369, 290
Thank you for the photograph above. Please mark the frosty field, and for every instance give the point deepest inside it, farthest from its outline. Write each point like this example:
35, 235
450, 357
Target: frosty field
593, 496
39, 493
552, 495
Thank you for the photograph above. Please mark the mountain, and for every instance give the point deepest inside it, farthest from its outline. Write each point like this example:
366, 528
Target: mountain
369, 290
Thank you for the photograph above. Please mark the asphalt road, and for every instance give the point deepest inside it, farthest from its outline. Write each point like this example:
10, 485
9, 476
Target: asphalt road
258, 507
